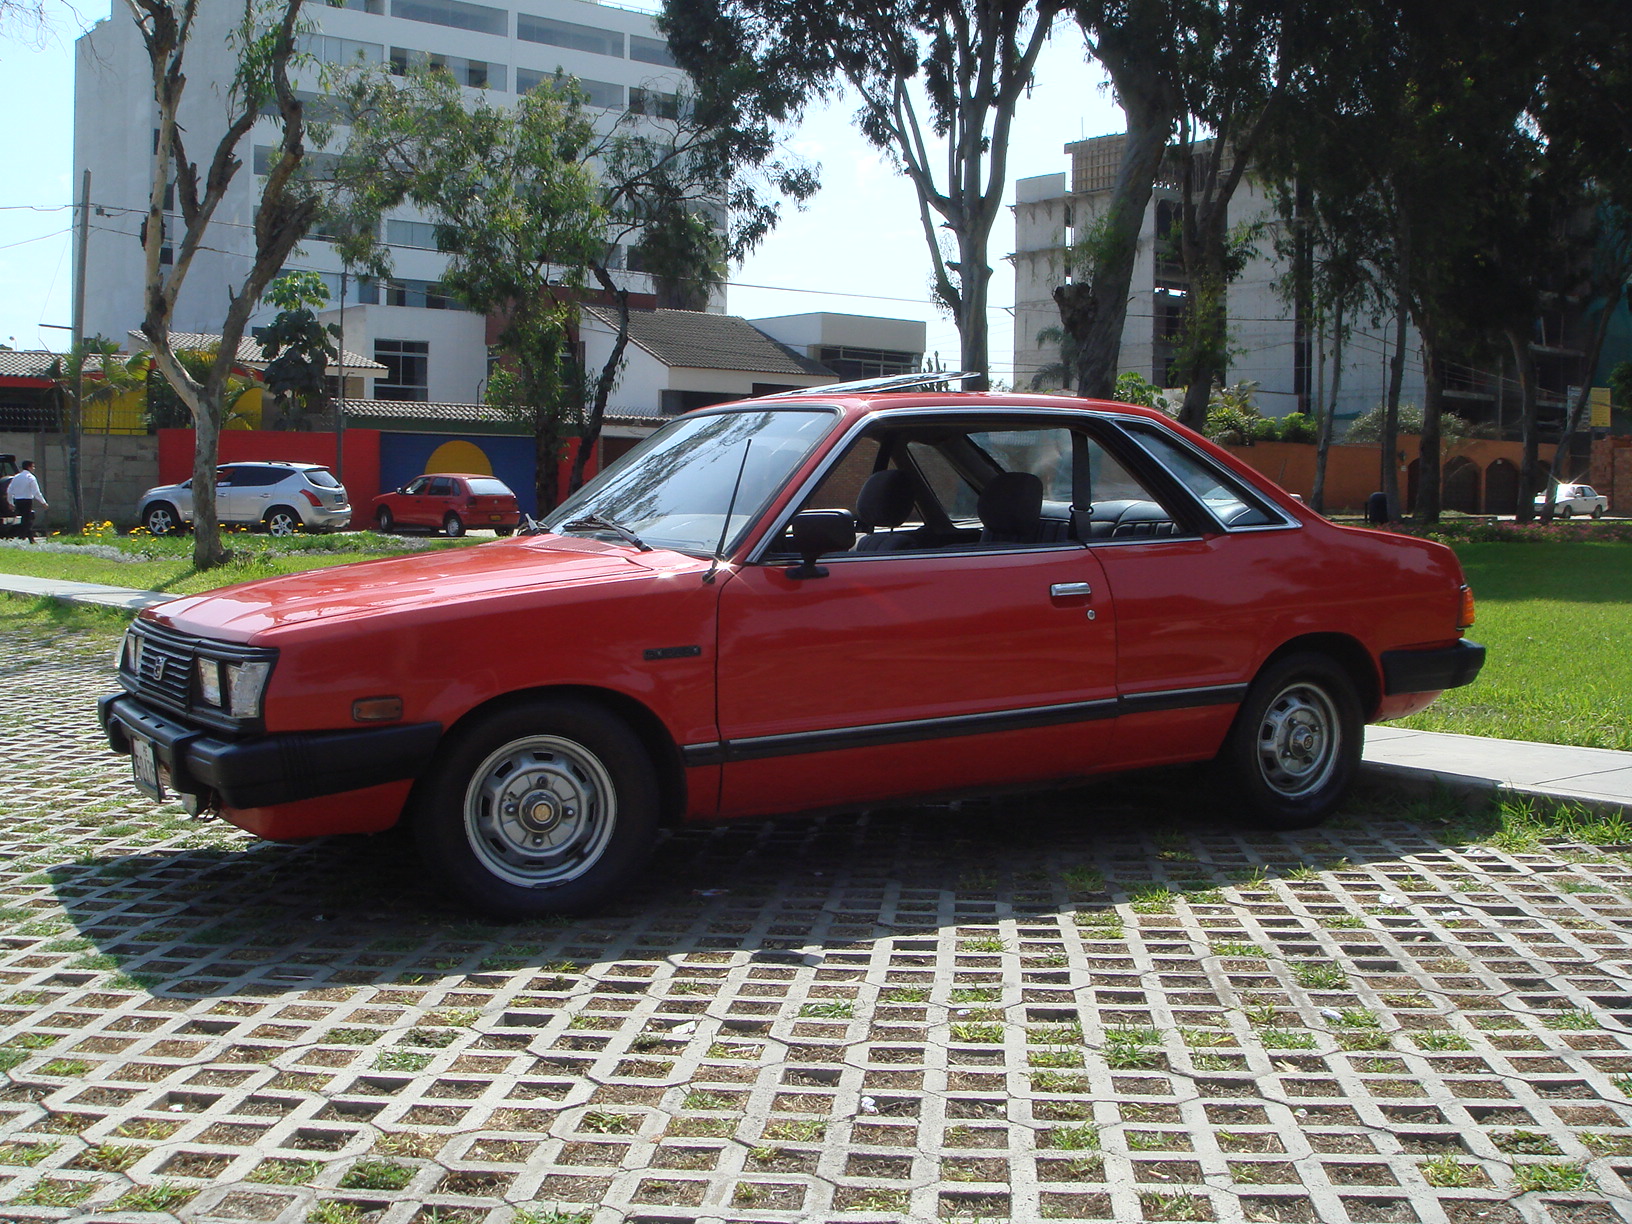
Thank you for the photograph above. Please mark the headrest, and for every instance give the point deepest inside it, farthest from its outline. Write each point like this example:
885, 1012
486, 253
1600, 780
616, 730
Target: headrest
1012, 504
886, 499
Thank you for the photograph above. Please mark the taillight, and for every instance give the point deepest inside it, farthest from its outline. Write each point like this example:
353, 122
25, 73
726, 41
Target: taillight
311, 497
1465, 619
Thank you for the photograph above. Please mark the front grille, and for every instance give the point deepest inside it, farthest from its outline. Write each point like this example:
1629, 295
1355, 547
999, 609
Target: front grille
166, 672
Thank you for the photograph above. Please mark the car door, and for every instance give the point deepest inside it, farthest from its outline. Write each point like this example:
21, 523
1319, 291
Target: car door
963, 665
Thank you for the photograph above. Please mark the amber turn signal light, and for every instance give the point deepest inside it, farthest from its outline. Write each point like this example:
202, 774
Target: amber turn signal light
376, 709
1465, 620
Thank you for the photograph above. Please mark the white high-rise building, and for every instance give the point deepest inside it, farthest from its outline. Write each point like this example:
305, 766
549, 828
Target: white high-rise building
433, 349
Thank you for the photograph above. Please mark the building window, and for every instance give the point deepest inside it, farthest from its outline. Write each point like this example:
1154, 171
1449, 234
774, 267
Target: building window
603, 94
851, 363
455, 13
420, 234
362, 6
566, 34
650, 51
408, 369
474, 74
651, 102
327, 49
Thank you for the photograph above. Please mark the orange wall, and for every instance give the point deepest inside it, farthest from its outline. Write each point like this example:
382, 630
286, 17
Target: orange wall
1353, 472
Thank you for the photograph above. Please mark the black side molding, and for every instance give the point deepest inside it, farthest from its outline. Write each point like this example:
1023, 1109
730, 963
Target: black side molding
1429, 671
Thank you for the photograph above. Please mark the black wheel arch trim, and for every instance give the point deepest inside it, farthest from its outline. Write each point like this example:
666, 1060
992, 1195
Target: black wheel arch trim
266, 770
1430, 671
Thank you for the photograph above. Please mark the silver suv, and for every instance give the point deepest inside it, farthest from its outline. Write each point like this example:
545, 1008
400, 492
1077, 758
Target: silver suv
282, 497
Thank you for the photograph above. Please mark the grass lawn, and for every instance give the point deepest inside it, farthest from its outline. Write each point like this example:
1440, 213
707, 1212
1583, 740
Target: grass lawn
1557, 619
150, 564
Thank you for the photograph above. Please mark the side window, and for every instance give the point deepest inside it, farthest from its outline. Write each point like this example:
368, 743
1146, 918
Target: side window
841, 487
441, 487
416, 485
1227, 500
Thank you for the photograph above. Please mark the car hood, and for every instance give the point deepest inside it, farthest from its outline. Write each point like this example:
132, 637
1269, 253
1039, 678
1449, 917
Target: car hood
421, 584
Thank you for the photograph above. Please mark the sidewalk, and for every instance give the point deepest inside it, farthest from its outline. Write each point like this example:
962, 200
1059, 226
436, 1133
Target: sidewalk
1597, 776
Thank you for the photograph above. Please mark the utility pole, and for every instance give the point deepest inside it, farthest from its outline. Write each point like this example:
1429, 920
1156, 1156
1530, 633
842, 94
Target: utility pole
76, 501
340, 397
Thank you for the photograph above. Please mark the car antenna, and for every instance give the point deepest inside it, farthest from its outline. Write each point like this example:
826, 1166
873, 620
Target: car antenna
730, 507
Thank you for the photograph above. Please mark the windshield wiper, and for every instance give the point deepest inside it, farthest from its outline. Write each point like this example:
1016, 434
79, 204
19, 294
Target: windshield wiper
598, 522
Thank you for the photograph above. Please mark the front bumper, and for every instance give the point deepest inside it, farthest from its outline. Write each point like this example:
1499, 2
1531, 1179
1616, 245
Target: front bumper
267, 770
1431, 671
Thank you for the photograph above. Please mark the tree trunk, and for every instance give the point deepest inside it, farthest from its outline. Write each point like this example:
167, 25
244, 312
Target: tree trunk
1328, 412
1524, 369
604, 382
1429, 452
1094, 310
1391, 418
1572, 422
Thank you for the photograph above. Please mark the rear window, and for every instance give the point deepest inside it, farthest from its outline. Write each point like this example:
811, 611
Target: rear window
323, 478
484, 487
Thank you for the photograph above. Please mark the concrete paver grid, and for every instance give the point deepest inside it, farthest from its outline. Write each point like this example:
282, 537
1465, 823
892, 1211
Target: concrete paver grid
1090, 1007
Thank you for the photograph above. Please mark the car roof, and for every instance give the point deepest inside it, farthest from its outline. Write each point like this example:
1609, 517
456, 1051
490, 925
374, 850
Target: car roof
853, 405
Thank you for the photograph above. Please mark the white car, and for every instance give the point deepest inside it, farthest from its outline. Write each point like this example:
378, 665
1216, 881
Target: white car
1575, 499
282, 497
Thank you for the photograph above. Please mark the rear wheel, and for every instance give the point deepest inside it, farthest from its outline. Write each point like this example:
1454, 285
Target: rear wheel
282, 521
503, 531
161, 519
1563, 510
1597, 512
384, 519
453, 525
1296, 742
541, 808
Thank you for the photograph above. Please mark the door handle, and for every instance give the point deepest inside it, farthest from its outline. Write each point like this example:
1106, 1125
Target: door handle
1061, 590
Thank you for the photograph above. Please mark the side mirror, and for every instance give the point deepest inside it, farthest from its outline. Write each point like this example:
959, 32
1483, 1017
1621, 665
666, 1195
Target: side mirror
817, 532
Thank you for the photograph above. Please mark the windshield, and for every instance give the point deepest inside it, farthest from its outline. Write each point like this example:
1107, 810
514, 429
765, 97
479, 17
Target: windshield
673, 490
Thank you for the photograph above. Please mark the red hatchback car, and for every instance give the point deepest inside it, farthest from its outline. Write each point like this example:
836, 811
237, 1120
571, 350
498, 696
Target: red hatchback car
452, 502
830, 599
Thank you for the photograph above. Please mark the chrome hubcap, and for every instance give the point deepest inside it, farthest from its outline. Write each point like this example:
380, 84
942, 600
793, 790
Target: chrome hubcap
540, 811
1298, 742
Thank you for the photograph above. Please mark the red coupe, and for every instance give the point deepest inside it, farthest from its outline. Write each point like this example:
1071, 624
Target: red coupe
840, 597
452, 502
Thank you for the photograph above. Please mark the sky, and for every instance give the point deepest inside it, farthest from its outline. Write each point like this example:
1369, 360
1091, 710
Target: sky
857, 247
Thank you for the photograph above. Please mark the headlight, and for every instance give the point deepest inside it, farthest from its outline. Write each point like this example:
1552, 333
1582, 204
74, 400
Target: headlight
235, 688
245, 684
129, 655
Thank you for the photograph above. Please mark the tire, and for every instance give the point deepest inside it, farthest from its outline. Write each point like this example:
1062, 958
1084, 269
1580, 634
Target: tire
453, 525
1597, 512
503, 531
1562, 511
282, 521
1295, 745
162, 519
384, 519
539, 808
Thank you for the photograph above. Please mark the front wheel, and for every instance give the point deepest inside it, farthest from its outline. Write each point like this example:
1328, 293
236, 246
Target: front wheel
453, 525
282, 521
383, 519
503, 531
161, 519
541, 808
1296, 742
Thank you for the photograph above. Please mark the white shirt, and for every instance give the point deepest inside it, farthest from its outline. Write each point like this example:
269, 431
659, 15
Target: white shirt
24, 485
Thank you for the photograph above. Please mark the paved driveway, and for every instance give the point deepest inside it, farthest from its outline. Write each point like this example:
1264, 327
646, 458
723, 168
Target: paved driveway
1086, 1007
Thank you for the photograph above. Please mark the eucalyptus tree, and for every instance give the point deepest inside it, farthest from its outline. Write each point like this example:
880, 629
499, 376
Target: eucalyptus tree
938, 82
262, 34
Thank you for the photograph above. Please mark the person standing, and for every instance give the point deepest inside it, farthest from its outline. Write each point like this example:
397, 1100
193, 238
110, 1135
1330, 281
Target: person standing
24, 492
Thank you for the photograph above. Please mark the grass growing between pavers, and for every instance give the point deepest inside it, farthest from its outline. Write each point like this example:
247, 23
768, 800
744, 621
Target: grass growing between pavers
1556, 619
149, 563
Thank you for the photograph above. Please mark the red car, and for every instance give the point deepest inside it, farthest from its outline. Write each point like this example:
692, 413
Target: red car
452, 502
830, 599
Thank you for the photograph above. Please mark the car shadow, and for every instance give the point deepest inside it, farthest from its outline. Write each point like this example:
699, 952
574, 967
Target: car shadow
271, 919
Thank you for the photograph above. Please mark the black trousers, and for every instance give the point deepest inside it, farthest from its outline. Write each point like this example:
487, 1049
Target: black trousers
25, 507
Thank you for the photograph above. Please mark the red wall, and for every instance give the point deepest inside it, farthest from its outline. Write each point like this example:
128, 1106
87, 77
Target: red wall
361, 474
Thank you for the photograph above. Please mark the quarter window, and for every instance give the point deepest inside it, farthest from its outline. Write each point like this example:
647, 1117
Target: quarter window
1225, 499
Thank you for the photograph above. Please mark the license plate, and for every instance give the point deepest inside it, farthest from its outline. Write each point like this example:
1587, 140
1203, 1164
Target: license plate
495, 518
144, 766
